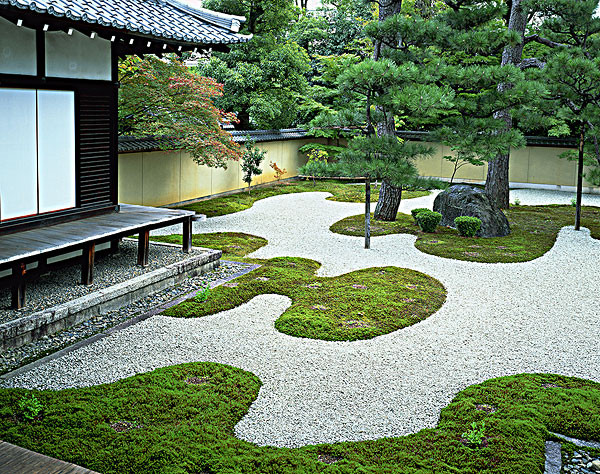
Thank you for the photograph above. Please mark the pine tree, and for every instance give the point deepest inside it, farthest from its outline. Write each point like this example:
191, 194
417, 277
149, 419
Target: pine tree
572, 72
464, 40
390, 89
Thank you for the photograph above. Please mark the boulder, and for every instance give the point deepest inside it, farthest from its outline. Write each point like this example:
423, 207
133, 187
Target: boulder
462, 200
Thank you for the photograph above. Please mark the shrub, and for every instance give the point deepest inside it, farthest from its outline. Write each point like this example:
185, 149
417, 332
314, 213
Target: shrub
416, 211
278, 171
474, 436
428, 220
467, 226
203, 294
30, 407
251, 160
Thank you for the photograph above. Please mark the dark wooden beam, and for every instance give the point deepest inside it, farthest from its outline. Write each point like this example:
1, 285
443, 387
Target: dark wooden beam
18, 285
143, 247
87, 264
187, 235
114, 246
42, 266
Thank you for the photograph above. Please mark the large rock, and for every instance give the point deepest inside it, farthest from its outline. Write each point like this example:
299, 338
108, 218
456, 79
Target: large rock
462, 200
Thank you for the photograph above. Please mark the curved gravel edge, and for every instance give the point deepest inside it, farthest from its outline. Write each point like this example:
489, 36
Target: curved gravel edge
532, 317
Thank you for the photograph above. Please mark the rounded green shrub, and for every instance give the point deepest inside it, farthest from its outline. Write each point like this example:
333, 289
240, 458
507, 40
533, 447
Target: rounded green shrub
467, 226
428, 220
416, 211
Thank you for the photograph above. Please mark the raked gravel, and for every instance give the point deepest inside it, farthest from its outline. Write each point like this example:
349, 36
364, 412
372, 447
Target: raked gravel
13, 358
499, 319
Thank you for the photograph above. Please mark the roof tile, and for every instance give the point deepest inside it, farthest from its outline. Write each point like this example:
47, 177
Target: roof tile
159, 19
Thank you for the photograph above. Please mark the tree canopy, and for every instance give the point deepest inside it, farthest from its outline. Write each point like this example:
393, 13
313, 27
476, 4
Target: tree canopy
166, 100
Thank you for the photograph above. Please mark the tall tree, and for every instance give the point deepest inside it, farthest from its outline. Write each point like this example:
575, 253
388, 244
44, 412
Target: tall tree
464, 40
572, 30
497, 181
165, 99
389, 194
264, 79
382, 88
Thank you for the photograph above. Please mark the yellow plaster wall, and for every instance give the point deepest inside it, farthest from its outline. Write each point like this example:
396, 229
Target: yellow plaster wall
534, 165
160, 178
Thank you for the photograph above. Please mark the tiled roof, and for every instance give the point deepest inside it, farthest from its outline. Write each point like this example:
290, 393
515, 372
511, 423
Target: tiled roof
175, 20
560, 142
137, 145
240, 136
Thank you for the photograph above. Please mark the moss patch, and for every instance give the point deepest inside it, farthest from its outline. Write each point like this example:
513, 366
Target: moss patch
345, 192
357, 305
186, 428
233, 244
533, 232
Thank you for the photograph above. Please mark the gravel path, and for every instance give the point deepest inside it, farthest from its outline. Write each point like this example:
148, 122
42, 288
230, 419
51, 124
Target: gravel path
499, 319
12, 358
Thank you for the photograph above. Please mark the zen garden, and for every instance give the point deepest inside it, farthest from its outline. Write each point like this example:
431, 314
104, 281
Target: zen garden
251, 236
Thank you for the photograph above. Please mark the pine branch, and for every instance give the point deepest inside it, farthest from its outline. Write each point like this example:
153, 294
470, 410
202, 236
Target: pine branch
545, 41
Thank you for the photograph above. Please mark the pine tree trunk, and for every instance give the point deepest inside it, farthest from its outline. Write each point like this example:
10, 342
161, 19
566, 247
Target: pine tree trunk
389, 196
497, 183
388, 203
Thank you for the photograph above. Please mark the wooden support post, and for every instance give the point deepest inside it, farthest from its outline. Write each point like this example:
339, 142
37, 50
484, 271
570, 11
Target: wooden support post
87, 264
143, 247
18, 285
42, 265
114, 245
187, 235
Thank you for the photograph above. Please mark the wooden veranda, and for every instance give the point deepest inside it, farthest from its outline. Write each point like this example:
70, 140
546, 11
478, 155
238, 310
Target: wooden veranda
17, 460
21, 249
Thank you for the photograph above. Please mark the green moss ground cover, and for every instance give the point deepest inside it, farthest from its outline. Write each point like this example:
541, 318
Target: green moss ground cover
358, 305
344, 192
533, 232
167, 425
234, 245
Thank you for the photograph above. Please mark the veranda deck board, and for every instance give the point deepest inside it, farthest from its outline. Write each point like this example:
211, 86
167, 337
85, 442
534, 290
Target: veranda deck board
26, 245
17, 460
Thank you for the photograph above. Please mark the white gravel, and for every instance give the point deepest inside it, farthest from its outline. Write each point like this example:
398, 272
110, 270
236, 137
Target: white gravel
499, 319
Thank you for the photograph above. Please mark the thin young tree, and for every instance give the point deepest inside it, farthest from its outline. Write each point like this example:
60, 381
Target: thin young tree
251, 160
572, 71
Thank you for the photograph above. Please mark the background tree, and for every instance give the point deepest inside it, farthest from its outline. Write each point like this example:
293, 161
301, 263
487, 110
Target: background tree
463, 41
264, 79
164, 99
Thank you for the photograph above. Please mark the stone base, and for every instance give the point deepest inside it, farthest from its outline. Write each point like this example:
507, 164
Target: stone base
49, 321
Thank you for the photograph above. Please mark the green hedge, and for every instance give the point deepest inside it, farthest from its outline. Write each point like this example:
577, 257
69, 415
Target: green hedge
467, 226
416, 211
428, 220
